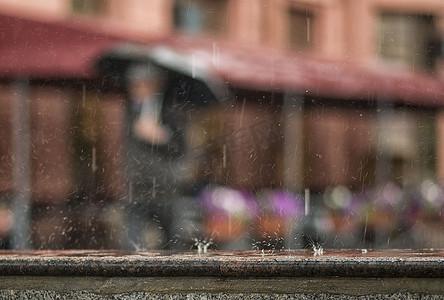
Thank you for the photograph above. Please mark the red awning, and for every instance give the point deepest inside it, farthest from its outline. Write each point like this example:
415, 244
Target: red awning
50, 49
261, 70
69, 50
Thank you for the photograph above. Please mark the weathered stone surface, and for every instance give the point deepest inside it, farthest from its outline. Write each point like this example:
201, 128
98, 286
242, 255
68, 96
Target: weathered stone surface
297, 263
298, 274
185, 285
48, 295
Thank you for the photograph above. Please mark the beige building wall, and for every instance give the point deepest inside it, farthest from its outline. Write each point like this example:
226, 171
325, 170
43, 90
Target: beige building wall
143, 19
150, 17
50, 9
245, 20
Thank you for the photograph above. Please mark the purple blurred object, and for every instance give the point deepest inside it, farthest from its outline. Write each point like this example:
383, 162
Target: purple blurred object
286, 204
226, 201
388, 196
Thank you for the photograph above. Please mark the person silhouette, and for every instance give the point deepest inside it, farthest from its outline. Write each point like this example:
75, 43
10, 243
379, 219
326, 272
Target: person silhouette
150, 176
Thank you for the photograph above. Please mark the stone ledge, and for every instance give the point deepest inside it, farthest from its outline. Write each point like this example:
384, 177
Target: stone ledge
49, 295
210, 285
297, 263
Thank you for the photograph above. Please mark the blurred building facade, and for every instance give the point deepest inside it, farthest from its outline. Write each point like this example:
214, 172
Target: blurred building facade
341, 142
359, 32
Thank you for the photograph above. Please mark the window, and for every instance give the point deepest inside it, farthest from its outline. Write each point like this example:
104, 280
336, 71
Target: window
88, 7
300, 29
410, 40
200, 16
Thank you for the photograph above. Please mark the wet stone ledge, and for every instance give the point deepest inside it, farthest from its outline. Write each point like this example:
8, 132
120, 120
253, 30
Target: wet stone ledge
298, 274
297, 263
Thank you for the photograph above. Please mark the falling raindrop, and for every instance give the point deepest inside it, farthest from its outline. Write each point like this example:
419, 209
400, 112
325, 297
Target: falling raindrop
308, 28
224, 157
130, 192
93, 162
307, 202
193, 66
365, 228
215, 55
242, 114
83, 95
